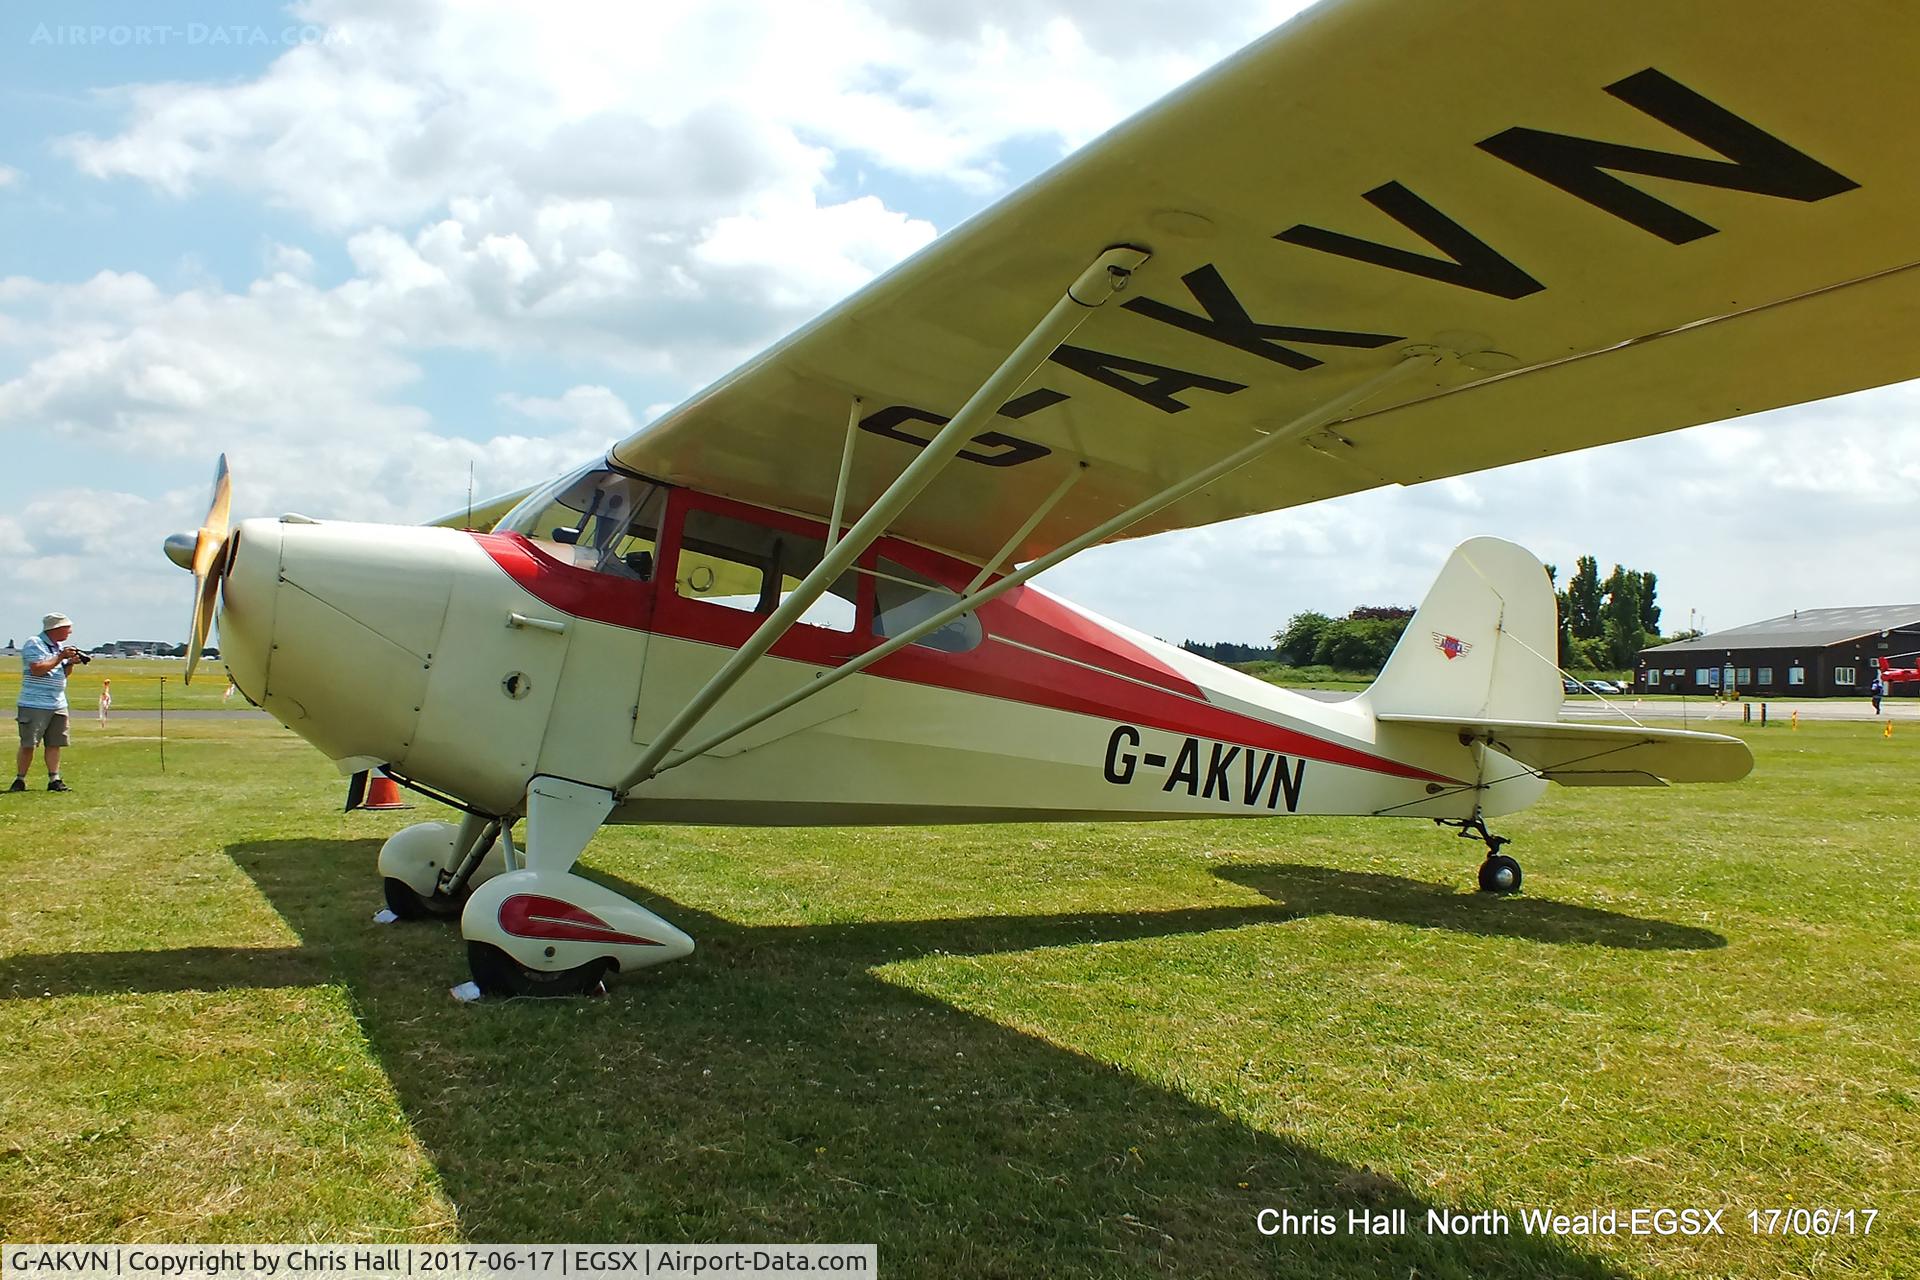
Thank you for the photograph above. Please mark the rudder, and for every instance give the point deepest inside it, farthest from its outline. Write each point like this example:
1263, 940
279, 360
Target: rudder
1481, 645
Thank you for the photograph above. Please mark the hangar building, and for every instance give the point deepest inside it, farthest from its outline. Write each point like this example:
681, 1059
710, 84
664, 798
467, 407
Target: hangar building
1810, 653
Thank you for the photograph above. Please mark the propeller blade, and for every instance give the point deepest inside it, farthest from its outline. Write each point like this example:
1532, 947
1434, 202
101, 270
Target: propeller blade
208, 545
213, 530
205, 590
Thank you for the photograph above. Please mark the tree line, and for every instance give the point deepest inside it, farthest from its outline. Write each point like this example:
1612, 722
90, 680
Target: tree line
1360, 641
1604, 624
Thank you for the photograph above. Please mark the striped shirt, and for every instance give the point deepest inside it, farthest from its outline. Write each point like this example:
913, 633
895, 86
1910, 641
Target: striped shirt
47, 692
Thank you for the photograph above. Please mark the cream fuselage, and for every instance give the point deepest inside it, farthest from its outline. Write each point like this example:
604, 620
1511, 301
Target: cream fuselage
474, 663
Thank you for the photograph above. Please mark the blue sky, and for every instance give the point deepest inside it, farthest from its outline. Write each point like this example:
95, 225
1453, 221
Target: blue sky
361, 245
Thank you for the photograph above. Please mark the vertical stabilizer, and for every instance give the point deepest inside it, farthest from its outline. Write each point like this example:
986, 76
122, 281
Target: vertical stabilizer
1482, 644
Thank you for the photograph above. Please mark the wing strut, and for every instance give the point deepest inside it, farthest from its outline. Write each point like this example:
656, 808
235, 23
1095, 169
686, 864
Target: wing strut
1104, 277
1008, 547
846, 470
1411, 363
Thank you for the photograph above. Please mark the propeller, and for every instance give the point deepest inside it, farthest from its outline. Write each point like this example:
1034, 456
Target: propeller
208, 543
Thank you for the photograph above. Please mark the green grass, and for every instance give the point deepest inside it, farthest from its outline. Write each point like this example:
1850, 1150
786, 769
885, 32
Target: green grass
137, 685
1313, 677
1009, 1051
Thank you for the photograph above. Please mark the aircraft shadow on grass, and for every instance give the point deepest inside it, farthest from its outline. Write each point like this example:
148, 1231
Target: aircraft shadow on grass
773, 1088
1317, 891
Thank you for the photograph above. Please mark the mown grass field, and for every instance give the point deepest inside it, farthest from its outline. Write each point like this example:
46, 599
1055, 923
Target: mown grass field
139, 684
996, 1051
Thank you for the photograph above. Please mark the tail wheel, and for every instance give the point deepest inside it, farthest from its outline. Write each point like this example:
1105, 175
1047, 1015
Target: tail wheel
407, 903
1499, 874
498, 974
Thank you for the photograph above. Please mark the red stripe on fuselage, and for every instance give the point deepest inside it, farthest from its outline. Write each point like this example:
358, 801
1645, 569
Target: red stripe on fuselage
1132, 685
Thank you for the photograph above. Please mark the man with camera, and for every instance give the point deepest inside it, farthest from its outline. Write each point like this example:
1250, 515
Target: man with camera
45, 661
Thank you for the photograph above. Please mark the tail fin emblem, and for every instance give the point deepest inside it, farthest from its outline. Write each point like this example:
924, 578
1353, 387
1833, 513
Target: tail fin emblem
1452, 646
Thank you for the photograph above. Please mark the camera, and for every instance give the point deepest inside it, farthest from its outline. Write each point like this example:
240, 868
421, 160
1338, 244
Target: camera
83, 655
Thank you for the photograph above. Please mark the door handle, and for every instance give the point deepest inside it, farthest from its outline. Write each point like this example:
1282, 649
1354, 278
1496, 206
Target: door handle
519, 620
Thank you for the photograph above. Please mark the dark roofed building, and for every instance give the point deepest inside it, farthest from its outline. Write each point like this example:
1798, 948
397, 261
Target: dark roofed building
1810, 653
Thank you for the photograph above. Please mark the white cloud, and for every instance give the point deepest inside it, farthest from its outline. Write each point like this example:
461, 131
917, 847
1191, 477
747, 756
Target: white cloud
9, 176
816, 255
643, 186
1808, 507
13, 538
685, 102
291, 260
302, 387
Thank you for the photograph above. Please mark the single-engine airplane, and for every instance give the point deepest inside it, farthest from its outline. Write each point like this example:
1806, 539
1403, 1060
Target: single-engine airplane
1389, 242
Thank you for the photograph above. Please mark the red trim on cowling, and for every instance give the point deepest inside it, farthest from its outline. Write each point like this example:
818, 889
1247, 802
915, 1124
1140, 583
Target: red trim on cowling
535, 915
1132, 685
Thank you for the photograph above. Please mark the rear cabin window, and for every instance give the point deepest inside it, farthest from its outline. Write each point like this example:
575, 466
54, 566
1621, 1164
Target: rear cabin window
904, 597
752, 567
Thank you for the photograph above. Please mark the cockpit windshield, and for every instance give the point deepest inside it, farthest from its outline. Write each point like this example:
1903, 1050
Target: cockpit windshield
596, 518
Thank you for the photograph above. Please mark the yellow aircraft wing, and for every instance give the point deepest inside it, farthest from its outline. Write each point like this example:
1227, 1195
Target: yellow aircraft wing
1615, 220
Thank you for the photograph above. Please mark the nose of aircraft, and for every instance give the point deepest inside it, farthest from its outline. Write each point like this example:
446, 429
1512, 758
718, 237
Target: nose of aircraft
332, 626
249, 589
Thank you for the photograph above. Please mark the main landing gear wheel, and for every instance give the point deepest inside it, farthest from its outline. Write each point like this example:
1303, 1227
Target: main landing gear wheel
498, 974
1499, 874
407, 902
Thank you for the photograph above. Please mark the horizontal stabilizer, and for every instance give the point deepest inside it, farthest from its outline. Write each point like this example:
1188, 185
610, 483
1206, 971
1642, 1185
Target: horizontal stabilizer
1602, 754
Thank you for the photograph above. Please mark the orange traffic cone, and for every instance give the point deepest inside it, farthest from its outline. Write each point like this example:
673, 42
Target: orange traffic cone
384, 793
374, 791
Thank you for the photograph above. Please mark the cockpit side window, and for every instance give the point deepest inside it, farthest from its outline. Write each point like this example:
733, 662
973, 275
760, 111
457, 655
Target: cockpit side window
598, 519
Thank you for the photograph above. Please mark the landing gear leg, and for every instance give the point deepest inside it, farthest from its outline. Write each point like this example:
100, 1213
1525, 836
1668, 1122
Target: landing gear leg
1499, 873
426, 868
543, 931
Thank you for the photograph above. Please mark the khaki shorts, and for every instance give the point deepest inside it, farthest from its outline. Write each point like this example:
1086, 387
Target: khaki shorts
42, 724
